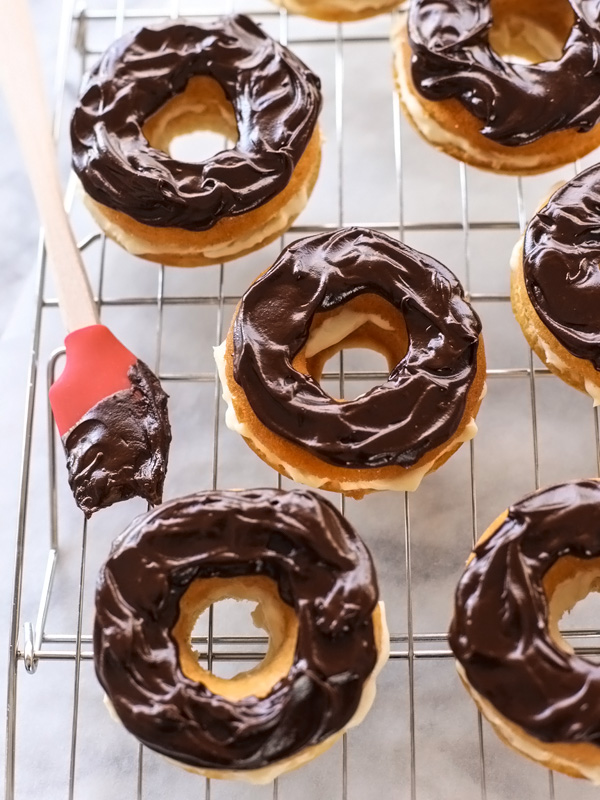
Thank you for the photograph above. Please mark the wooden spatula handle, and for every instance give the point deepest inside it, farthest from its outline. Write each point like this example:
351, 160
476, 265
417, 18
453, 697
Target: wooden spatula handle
21, 80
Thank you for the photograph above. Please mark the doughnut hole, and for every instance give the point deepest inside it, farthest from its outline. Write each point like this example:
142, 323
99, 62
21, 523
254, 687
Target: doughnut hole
530, 32
378, 366
366, 322
274, 616
191, 126
569, 582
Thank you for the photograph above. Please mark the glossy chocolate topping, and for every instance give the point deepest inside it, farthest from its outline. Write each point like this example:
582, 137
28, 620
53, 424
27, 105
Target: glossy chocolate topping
120, 447
500, 628
561, 265
517, 103
276, 100
321, 568
421, 404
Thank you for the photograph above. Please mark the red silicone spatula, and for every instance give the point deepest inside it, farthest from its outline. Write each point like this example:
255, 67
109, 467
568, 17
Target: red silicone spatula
110, 409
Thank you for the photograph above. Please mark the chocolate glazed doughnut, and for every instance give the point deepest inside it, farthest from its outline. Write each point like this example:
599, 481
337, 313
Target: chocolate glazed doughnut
503, 115
555, 283
354, 288
534, 563
156, 83
316, 584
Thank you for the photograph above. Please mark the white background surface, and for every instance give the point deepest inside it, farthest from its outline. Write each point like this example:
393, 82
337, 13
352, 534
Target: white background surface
446, 733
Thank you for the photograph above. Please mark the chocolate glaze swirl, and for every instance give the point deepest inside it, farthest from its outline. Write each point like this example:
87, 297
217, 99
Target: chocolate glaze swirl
421, 404
517, 103
321, 568
276, 100
561, 265
120, 447
500, 628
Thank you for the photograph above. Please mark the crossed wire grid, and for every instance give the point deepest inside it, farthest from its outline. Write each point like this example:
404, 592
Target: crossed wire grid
31, 644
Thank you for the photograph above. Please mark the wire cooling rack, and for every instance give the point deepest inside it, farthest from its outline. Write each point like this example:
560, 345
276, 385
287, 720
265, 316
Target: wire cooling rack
423, 738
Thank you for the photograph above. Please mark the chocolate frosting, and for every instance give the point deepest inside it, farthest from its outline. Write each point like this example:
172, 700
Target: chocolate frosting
275, 97
321, 568
560, 265
422, 402
500, 628
517, 103
120, 447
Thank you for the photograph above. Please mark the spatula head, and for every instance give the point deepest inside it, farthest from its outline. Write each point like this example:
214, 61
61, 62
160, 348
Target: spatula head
111, 413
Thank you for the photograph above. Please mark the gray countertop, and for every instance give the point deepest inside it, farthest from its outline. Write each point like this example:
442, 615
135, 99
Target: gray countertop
19, 233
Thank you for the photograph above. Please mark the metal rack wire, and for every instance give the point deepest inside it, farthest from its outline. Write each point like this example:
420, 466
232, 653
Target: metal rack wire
31, 643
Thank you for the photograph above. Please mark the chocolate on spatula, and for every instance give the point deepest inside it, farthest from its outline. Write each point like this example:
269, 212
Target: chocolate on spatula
110, 409
111, 413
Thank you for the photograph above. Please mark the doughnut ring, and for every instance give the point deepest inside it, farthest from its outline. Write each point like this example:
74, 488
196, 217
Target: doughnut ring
157, 83
534, 563
354, 288
315, 584
555, 291
338, 10
466, 93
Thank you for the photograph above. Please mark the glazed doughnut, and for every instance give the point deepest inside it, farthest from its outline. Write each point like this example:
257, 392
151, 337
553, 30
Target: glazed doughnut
555, 291
157, 83
338, 10
504, 85
353, 288
316, 589
533, 564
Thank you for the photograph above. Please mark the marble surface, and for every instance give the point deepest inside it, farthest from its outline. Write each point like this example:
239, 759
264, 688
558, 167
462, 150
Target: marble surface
104, 759
19, 234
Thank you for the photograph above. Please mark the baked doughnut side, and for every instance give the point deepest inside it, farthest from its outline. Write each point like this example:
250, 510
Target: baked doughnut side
570, 759
534, 563
553, 282
338, 10
577, 372
230, 238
